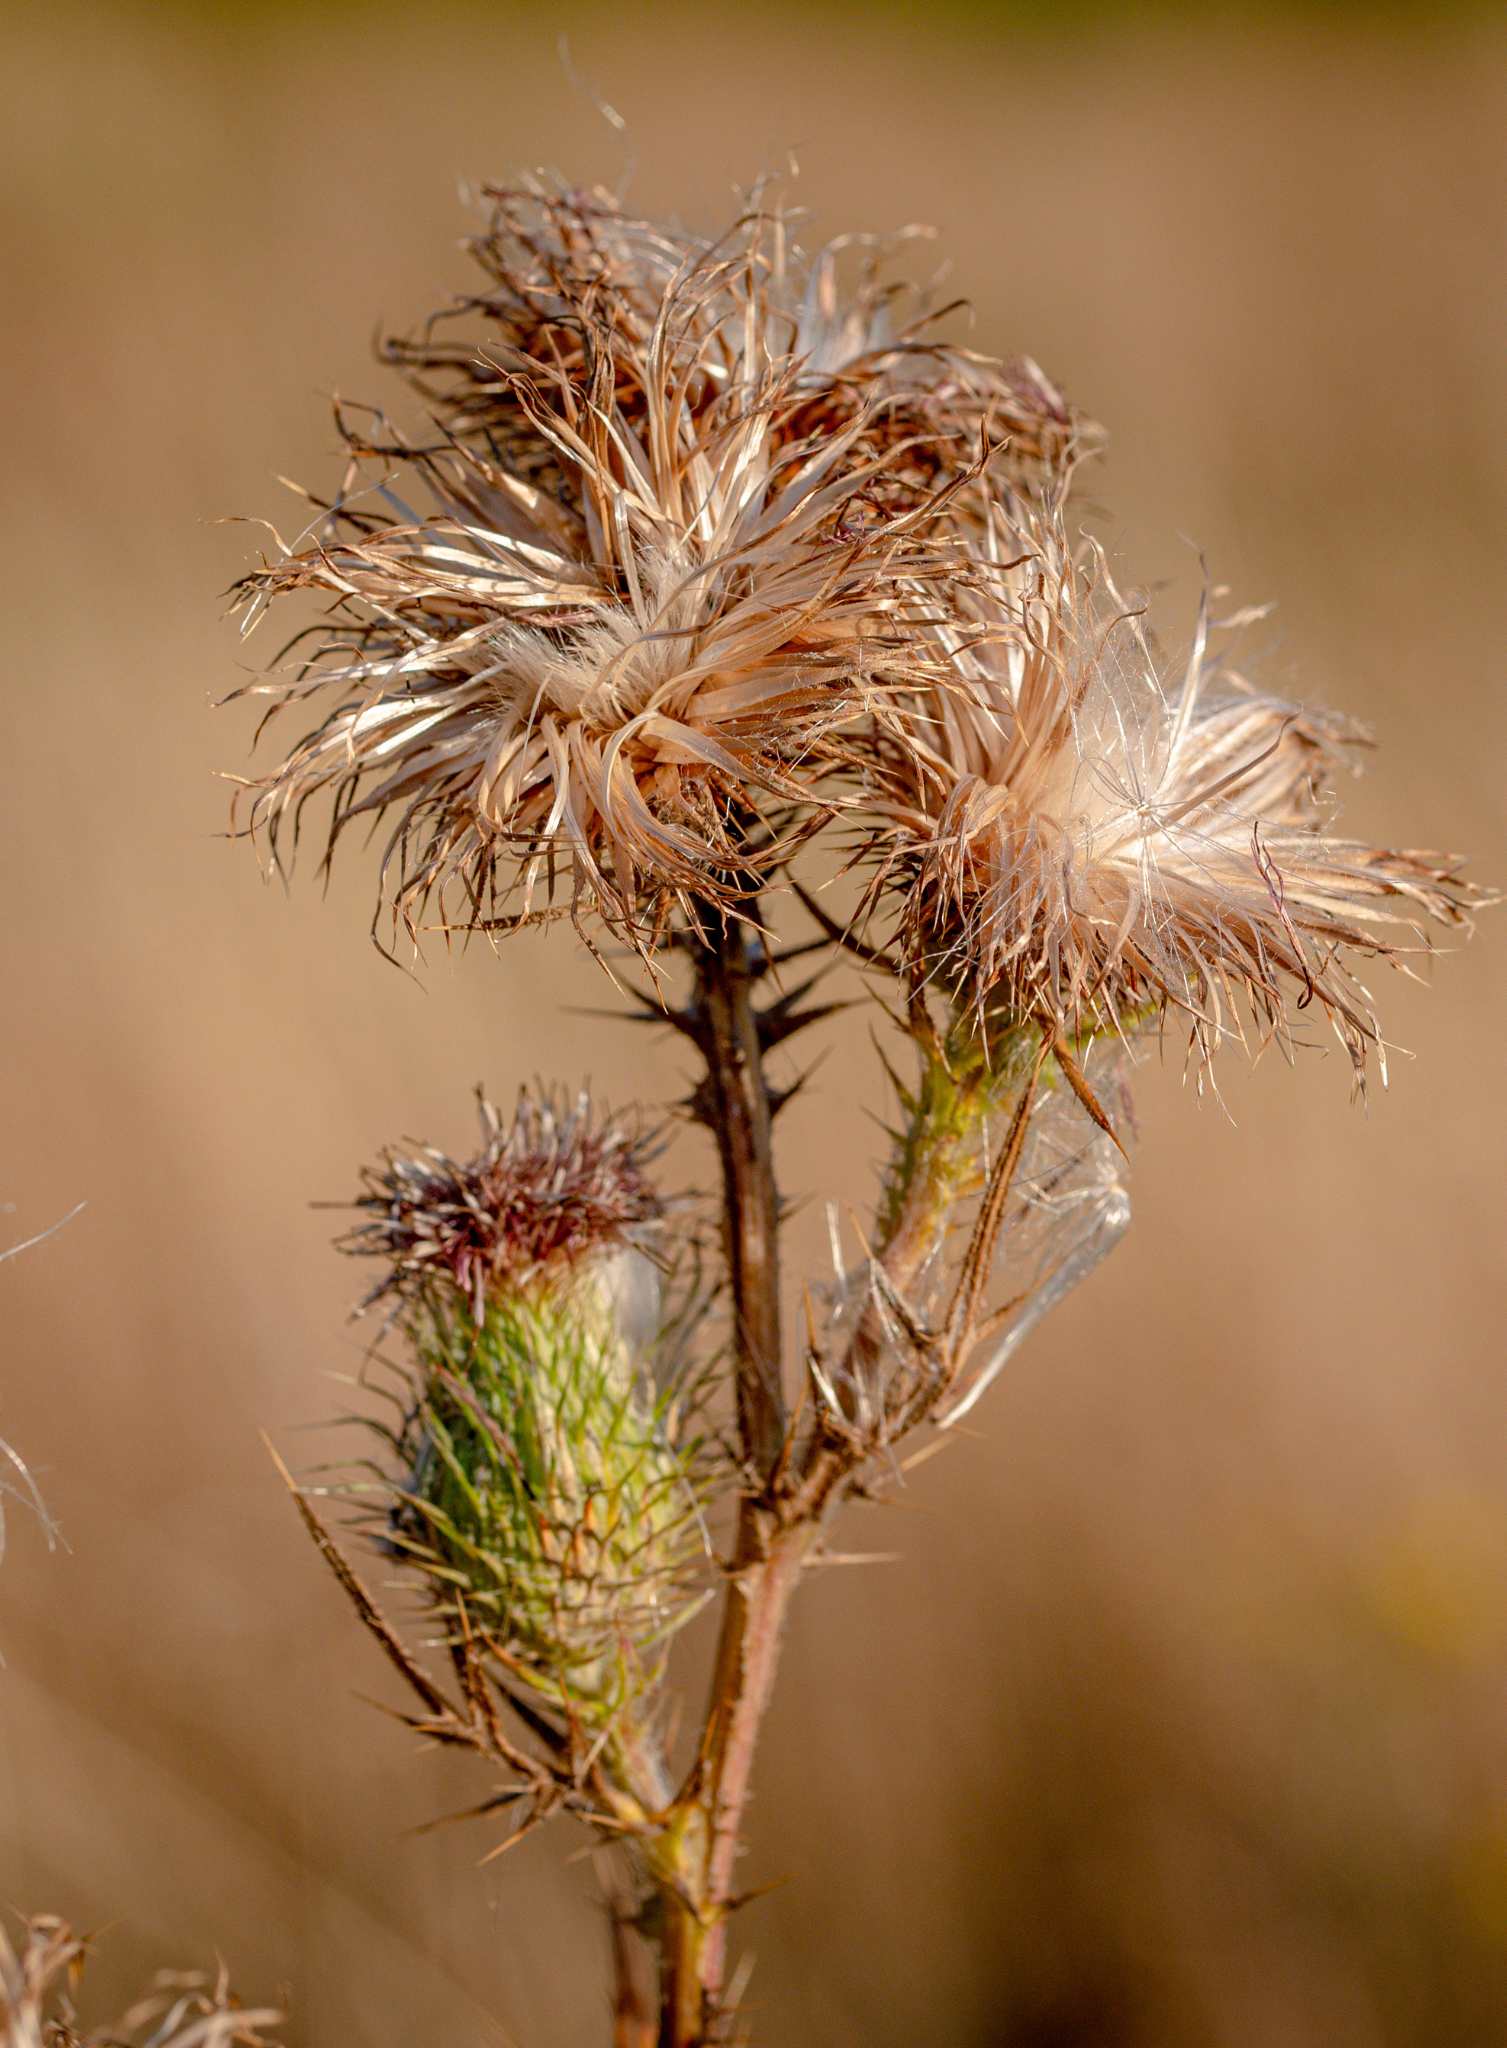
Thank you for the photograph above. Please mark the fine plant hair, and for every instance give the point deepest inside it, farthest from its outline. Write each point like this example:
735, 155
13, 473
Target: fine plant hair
720, 598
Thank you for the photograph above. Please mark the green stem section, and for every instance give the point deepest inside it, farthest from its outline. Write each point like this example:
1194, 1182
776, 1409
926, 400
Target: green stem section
934, 1160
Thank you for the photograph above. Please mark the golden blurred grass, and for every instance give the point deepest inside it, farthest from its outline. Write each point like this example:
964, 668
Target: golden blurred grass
1182, 1720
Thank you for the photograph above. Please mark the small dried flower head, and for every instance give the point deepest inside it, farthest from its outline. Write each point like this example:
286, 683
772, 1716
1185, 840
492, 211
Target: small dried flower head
860, 346
552, 1191
692, 515
1079, 843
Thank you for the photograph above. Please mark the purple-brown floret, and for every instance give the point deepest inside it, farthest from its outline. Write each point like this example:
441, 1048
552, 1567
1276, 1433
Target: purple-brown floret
541, 1196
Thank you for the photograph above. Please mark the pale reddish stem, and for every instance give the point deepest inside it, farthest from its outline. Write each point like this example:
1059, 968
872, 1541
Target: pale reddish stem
765, 1597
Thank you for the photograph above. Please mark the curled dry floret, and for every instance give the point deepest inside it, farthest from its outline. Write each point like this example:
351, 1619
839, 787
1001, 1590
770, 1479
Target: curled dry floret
691, 516
1072, 839
40, 1971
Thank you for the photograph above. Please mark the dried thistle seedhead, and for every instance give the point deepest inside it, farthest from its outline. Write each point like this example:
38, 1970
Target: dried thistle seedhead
720, 546
692, 517
556, 1188
1073, 840
715, 548
859, 343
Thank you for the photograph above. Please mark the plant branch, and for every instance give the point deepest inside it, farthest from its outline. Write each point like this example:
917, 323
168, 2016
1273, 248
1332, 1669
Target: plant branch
697, 1853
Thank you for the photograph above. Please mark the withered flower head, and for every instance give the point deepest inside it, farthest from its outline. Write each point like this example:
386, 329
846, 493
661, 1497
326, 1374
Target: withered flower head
1080, 843
692, 514
541, 1198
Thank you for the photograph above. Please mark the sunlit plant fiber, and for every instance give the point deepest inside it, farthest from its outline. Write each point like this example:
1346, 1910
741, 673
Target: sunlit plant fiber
726, 607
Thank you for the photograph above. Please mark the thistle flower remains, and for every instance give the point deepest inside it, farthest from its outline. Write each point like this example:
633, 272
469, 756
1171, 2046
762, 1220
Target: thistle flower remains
182, 2009
688, 522
721, 583
1071, 838
555, 1191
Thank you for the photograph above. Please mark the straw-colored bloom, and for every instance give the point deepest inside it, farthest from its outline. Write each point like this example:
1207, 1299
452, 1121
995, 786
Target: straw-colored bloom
693, 516
859, 342
1078, 842
719, 548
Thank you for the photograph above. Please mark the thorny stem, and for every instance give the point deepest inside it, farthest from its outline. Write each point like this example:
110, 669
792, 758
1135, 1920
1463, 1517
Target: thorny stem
753, 1627
687, 1840
698, 1851
736, 1106
698, 1854
780, 1513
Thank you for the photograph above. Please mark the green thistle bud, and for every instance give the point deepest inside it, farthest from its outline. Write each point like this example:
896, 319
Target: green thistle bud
544, 1495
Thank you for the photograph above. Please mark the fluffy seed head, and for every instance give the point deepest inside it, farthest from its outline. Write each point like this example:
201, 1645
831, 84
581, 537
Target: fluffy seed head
716, 548
1077, 841
691, 514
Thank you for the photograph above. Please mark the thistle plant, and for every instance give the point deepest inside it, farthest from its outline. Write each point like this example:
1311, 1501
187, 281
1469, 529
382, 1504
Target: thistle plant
727, 609
545, 1489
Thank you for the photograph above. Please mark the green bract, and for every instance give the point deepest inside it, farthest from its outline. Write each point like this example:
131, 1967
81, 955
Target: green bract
548, 1502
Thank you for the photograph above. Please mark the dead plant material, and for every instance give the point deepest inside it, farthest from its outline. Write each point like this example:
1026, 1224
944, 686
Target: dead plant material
183, 2009
689, 517
1068, 836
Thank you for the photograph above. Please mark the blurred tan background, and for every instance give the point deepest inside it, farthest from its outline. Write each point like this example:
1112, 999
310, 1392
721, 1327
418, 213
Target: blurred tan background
1184, 1720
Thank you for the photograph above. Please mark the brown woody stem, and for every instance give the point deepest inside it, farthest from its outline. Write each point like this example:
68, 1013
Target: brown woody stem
735, 1103
697, 1853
